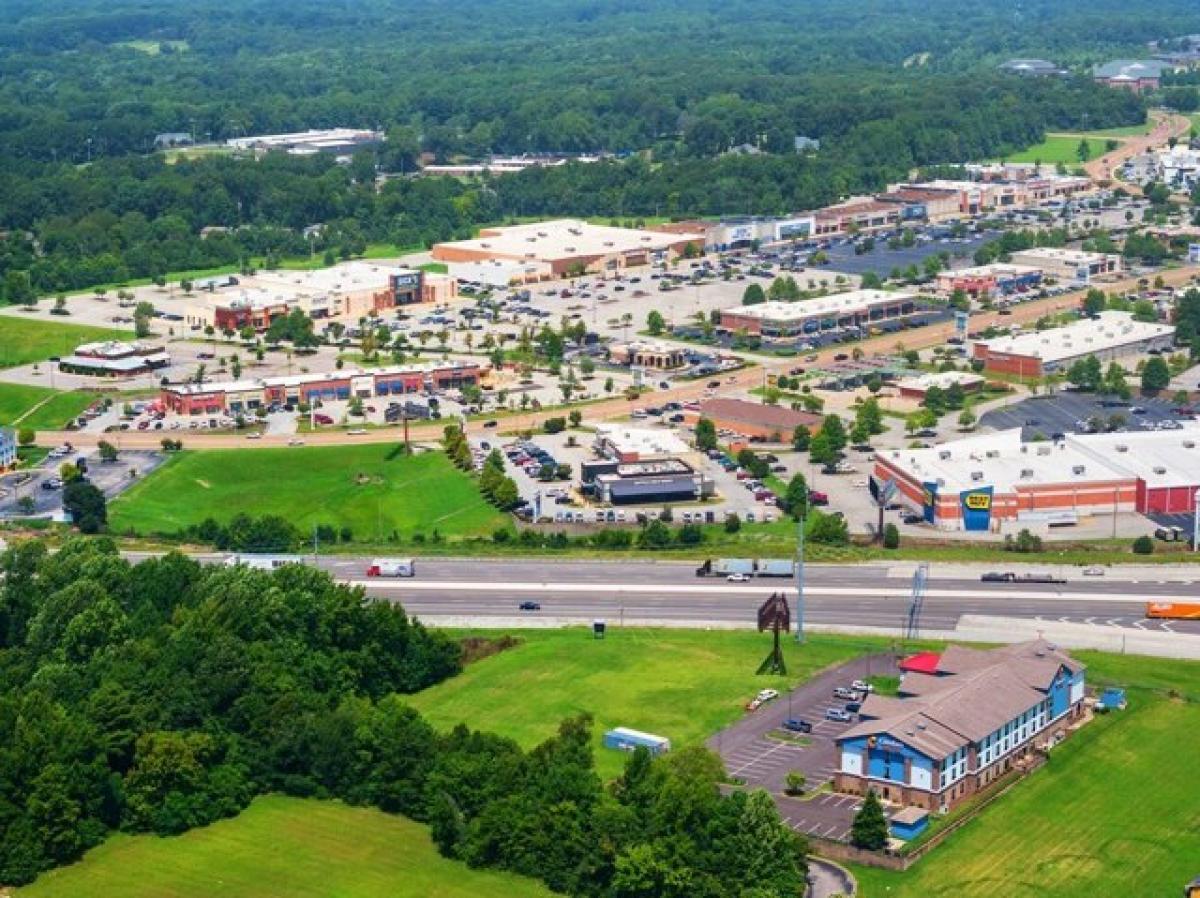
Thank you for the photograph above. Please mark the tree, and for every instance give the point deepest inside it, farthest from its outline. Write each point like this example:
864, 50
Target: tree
795, 500
26, 437
86, 505
966, 419
794, 782
820, 450
801, 437
1156, 375
869, 829
108, 452
143, 314
18, 288
753, 295
733, 523
706, 434
834, 431
1084, 150
655, 323
1094, 302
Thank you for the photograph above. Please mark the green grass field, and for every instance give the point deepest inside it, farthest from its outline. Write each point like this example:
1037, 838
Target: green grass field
25, 340
40, 408
1113, 813
1053, 150
281, 848
682, 684
310, 486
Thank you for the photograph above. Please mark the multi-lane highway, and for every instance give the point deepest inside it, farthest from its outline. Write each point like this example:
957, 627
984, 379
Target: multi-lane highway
848, 595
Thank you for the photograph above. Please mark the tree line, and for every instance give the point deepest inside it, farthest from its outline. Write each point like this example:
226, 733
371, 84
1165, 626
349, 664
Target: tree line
165, 695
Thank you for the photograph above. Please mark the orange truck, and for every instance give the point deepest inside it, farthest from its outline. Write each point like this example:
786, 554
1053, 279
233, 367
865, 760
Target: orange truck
1174, 610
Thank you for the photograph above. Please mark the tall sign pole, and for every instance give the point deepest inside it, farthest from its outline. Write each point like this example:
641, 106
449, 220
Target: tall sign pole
1196, 523
800, 579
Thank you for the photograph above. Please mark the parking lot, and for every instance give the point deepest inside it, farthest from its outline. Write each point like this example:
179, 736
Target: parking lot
1065, 412
111, 478
758, 751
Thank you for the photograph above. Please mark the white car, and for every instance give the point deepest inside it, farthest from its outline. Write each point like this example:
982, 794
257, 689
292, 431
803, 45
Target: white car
862, 686
738, 578
294, 441
1093, 572
767, 695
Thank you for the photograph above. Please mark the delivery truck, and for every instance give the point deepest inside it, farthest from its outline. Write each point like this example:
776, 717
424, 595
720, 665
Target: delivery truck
392, 567
1173, 610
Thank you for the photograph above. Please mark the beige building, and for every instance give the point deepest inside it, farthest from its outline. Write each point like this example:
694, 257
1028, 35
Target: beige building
570, 246
653, 354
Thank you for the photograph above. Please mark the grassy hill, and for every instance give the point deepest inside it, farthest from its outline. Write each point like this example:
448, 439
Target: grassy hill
371, 489
281, 848
25, 340
40, 408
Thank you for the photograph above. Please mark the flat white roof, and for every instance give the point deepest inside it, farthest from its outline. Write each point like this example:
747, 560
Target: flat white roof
642, 440
1001, 461
1080, 338
567, 238
1061, 254
349, 277
296, 380
998, 269
940, 379
1162, 458
839, 303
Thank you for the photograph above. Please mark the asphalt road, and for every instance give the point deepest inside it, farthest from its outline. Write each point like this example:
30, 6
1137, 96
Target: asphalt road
847, 595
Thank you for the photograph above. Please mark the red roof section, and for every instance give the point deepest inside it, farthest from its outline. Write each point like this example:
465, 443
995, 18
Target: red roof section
922, 662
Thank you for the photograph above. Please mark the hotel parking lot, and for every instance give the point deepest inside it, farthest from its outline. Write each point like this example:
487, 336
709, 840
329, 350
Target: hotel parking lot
758, 751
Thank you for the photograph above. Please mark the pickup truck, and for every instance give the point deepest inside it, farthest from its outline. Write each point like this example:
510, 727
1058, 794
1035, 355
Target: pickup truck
1010, 577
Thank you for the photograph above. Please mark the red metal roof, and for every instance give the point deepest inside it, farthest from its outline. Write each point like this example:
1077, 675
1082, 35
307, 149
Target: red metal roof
922, 662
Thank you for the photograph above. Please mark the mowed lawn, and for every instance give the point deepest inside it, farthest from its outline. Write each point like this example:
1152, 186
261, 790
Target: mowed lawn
40, 408
1053, 150
25, 340
1115, 812
682, 684
372, 489
281, 848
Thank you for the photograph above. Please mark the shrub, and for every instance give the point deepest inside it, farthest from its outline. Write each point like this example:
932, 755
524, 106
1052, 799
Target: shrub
1143, 545
891, 537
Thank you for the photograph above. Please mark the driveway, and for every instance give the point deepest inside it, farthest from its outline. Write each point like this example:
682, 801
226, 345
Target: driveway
759, 752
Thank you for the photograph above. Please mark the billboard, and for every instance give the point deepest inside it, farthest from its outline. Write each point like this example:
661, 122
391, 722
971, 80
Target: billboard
929, 501
800, 227
976, 508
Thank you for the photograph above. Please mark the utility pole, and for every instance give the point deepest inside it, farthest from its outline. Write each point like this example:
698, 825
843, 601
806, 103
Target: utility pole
800, 578
1196, 522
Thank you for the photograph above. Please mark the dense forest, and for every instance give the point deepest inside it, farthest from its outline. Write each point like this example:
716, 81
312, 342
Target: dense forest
668, 88
162, 696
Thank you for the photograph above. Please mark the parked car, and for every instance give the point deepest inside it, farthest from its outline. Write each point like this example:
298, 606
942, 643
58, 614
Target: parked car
766, 695
796, 725
839, 714
862, 686
845, 693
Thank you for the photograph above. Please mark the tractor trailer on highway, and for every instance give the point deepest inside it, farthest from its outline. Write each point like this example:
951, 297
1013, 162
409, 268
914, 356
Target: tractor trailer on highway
1173, 610
750, 567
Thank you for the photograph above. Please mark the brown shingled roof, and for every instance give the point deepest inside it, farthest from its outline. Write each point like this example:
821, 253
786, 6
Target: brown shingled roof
752, 413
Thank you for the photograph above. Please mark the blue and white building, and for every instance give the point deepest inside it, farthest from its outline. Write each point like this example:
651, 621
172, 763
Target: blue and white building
8, 449
951, 732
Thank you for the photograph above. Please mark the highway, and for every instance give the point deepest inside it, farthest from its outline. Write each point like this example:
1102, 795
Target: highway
634, 591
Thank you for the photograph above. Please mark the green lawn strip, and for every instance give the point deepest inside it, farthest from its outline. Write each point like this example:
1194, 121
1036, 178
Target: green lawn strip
1054, 150
25, 340
682, 684
281, 848
39, 408
1113, 813
360, 487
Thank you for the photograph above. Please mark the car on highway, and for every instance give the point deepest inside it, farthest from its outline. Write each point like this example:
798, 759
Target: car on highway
530, 606
254, 436
1093, 572
841, 715
738, 578
295, 441
796, 725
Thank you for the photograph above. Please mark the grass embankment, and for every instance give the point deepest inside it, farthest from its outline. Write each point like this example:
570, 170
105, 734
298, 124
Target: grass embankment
281, 848
1113, 813
40, 408
682, 684
1064, 149
25, 340
372, 489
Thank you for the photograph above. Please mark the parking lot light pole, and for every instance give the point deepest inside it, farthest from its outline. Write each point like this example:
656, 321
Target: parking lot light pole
1196, 521
800, 578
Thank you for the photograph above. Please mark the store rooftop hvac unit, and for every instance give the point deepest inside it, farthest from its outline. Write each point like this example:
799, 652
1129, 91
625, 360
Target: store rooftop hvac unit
1158, 469
944, 454
1077, 470
977, 475
1026, 473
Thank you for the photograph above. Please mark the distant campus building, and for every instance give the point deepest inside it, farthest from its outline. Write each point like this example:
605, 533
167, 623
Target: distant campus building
959, 721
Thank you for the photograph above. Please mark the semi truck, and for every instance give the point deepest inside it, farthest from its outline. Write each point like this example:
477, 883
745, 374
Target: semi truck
750, 567
392, 567
1173, 610
262, 562
1010, 577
